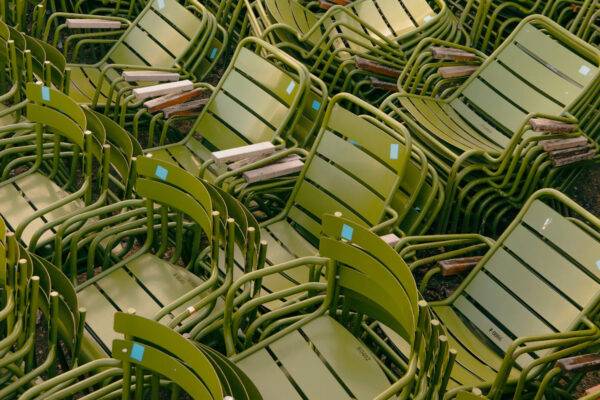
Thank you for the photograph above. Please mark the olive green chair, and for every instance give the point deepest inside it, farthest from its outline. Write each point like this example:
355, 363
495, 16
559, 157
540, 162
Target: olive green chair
263, 96
163, 252
355, 166
531, 299
313, 347
150, 361
166, 36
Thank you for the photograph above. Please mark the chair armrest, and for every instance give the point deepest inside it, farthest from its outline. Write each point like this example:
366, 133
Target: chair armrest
162, 89
253, 151
448, 53
325, 5
391, 239
169, 100
457, 71
92, 23
548, 125
384, 85
376, 68
186, 109
149, 76
580, 363
593, 390
456, 266
286, 166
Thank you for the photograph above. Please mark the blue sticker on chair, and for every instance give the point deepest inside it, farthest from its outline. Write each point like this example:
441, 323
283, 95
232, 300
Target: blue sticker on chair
45, 93
291, 87
137, 352
161, 173
598, 264
394, 149
353, 142
347, 232
160, 4
316, 105
213, 53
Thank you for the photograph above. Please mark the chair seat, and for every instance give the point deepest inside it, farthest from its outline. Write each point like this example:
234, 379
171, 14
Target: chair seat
145, 284
29, 194
322, 360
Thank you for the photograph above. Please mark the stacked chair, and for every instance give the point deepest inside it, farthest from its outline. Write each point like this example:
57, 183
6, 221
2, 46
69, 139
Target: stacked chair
494, 139
290, 199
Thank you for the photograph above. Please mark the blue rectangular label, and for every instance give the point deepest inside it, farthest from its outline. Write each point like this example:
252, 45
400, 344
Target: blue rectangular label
161, 173
213, 53
347, 232
316, 105
137, 352
394, 149
160, 4
291, 87
45, 93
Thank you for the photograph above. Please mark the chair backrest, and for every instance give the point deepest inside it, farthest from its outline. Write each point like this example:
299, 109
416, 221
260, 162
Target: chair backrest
170, 185
372, 277
160, 36
256, 100
355, 166
538, 279
160, 349
540, 68
57, 112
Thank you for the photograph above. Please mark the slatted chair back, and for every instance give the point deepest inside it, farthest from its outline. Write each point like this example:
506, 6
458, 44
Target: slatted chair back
162, 35
166, 184
541, 277
372, 278
159, 349
540, 68
355, 166
255, 101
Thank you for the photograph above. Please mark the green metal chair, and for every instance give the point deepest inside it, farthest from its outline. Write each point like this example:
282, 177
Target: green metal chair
483, 130
163, 252
313, 347
264, 96
531, 299
166, 36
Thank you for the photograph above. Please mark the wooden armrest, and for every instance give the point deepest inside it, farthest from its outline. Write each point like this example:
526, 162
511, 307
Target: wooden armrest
448, 53
562, 161
384, 85
562, 144
185, 109
581, 363
458, 265
341, 2
147, 92
92, 23
457, 71
169, 100
390, 239
325, 5
376, 68
150, 76
551, 126
285, 166
240, 153
592, 390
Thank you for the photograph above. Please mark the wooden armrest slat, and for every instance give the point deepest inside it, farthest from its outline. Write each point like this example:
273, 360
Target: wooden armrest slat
147, 92
150, 76
384, 85
169, 100
573, 151
390, 239
592, 390
457, 265
581, 363
273, 171
561, 144
92, 23
551, 126
559, 162
240, 153
457, 71
185, 109
376, 68
325, 5
448, 53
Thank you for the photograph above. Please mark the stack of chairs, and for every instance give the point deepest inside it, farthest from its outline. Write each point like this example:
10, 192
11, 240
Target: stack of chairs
277, 234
